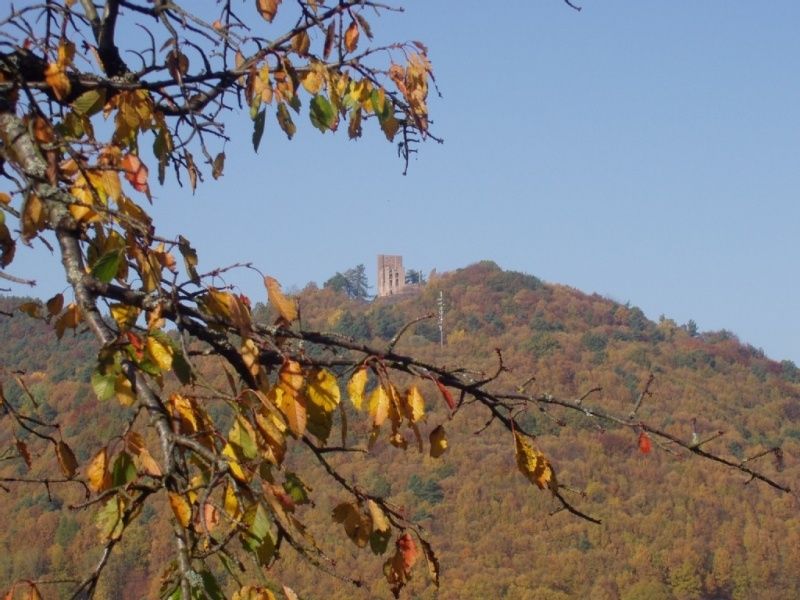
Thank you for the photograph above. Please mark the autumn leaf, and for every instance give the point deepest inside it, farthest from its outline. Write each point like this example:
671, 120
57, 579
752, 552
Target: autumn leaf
533, 464
355, 387
379, 406
414, 405
134, 442
123, 389
438, 440
56, 77
329, 39
267, 8
177, 64
135, 172
181, 509
448, 397
301, 42
644, 443
322, 392
286, 307
251, 592
55, 305
66, 460
351, 37
357, 525
22, 450
160, 351
285, 121
397, 569
69, 318
97, 475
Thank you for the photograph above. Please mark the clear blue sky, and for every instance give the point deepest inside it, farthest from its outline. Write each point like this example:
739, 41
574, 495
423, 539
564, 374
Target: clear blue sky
648, 151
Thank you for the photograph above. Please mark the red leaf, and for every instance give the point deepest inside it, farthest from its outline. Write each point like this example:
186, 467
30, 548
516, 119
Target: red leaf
135, 172
408, 550
448, 397
644, 443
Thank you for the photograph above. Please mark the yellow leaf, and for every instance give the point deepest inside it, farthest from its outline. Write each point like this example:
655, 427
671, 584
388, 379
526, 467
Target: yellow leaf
235, 466
66, 460
292, 406
5, 199
33, 217
323, 389
379, 520
252, 592
124, 390
229, 503
355, 387
351, 37
533, 464
312, 81
70, 318
251, 357
379, 406
438, 440
183, 408
124, 314
97, 473
286, 307
414, 405
267, 8
160, 352
181, 508
56, 78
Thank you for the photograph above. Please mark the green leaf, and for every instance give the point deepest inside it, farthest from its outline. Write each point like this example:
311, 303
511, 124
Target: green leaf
90, 102
124, 471
322, 114
105, 269
379, 541
103, 385
182, 368
211, 587
258, 128
285, 121
240, 436
257, 538
296, 489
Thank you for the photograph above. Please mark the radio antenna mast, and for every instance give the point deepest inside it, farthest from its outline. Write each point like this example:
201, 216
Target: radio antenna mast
440, 302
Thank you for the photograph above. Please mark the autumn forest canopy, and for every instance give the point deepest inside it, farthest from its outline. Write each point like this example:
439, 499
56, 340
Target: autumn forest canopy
164, 435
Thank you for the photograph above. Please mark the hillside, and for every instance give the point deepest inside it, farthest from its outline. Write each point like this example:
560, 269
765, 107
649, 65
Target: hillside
673, 526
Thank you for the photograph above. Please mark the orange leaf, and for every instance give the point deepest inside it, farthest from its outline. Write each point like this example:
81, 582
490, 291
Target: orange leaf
448, 397
135, 172
644, 443
267, 8
351, 37
285, 306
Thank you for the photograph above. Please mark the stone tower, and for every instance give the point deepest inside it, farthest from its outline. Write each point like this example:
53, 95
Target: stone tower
391, 275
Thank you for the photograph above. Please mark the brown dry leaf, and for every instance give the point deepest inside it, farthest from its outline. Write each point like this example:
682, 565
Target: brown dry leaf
438, 439
136, 446
301, 42
55, 305
351, 37
22, 449
66, 460
286, 307
267, 8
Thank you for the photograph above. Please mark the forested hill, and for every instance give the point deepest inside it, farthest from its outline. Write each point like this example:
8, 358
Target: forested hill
674, 526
